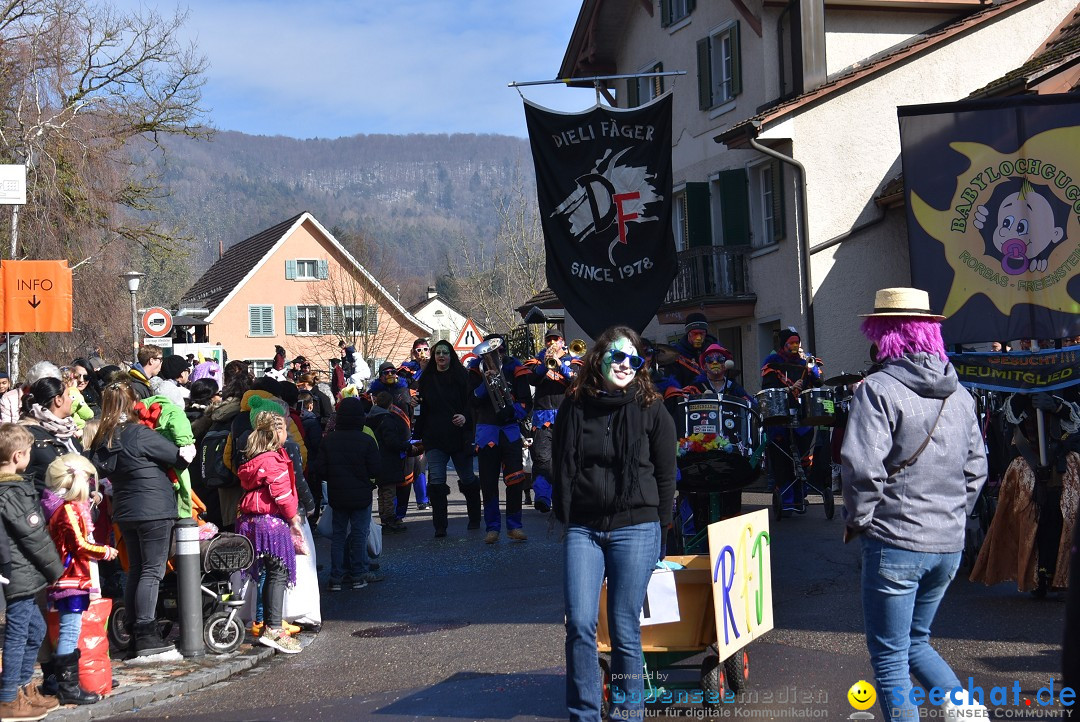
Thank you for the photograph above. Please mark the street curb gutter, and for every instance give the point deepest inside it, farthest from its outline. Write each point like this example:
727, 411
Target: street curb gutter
140, 696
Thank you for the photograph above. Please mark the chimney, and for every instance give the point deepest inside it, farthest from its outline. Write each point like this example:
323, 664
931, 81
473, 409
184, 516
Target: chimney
220, 248
431, 292
808, 45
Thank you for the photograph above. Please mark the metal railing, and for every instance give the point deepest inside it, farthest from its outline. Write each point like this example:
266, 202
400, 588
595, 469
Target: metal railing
712, 272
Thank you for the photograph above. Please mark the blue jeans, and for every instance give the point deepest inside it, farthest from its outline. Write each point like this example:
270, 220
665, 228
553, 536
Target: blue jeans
627, 557
360, 521
901, 591
70, 627
437, 459
25, 632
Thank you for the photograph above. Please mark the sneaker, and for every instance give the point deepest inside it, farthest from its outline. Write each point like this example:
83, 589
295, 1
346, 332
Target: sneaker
359, 583
333, 586
517, 535
21, 709
371, 577
491, 537
423, 507
256, 629
280, 640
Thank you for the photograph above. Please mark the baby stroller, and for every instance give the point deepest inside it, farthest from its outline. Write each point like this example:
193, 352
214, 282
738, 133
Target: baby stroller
223, 630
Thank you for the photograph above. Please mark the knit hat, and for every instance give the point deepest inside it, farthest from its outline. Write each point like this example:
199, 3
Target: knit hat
785, 333
259, 404
3, 375
172, 367
696, 322
386, 366
713, 349
350, 412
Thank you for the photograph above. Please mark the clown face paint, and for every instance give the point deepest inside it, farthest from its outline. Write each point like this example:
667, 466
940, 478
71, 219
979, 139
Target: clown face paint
716, 365
619, 375
791, 346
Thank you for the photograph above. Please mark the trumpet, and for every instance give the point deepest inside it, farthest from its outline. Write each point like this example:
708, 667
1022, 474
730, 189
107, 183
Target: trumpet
552, 363
577, 348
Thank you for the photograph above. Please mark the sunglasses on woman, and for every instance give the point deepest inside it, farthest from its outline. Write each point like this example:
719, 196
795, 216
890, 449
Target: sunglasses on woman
618, 357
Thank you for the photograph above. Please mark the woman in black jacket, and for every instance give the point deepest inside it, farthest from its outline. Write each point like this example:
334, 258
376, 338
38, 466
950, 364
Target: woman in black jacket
46, 413
614, 464
136, 459
445, 426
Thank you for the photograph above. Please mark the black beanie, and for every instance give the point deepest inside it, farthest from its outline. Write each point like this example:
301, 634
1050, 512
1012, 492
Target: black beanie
350, 413
696, 322
785, 333
172, 367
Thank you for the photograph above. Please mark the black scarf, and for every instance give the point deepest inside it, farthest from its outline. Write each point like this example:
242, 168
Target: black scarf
628, 434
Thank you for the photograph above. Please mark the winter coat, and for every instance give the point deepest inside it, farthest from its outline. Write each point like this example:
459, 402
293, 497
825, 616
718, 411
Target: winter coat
924, 506
34, 561
391, 431
70, 529
269, 484
172, 423
241, 427
444, 394
45, 450
589, 473
136, 465
348, 462
140, 382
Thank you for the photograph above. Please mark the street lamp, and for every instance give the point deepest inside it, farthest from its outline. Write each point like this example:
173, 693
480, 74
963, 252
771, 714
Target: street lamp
133, 278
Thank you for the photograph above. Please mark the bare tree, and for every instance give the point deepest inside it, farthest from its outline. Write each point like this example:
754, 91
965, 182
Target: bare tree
81, 88
491, 279
345, 307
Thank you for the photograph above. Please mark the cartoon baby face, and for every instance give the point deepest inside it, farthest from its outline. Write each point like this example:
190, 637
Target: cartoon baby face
1028, 219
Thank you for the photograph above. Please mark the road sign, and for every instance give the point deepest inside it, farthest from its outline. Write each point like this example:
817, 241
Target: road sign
162, 342
36, 296
469, 337
13, 185
157, 322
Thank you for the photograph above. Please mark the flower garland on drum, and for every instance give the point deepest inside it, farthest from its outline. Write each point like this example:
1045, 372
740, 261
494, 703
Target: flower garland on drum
700, 443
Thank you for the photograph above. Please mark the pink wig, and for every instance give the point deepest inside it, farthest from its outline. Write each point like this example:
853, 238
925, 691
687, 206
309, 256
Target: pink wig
899, 335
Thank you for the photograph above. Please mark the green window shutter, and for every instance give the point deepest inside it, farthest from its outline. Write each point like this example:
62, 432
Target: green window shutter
371, 319
665, 13
704, 75
324, 269
290, 320
779, 231
290, 270
736, 62
698, 216
735, 207
633, 100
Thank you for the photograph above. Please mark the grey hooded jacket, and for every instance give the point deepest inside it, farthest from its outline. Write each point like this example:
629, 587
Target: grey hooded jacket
922, 507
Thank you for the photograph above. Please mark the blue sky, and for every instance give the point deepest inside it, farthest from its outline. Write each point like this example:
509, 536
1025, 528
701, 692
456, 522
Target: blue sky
331, 68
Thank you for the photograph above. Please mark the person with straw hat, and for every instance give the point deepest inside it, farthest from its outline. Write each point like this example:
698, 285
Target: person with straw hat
913, 463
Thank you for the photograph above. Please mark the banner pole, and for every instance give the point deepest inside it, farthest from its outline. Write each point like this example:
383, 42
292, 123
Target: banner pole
1040, 424
594, 78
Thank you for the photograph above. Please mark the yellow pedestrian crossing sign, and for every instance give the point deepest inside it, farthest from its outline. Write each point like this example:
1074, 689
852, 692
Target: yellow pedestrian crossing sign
469, 337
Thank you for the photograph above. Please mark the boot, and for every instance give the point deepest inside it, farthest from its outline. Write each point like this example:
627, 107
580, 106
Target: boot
148, 641
36, 698
48, 679
67, 676
472, 504
21, 708
387, 496
437, 493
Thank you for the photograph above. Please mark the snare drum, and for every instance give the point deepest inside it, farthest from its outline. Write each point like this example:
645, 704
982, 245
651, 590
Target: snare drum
701, 415
817, 407
773, 406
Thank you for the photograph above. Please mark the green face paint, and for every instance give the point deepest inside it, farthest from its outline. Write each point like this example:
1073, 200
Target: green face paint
618, 376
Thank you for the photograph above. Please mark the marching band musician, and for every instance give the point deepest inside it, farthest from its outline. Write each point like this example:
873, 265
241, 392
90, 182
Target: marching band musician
498, 437
686, 368
788, 368
716, 361
410, 371
551, 372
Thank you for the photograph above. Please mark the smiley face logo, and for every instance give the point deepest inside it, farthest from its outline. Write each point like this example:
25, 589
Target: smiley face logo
862, 695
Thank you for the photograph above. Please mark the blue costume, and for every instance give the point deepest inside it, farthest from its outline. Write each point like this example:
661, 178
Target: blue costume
499, 444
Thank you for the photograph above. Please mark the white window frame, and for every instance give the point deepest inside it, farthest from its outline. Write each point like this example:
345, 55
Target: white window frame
721, 64
311, 319
678, 220
302, 264
762, 223
258, 366
680, 10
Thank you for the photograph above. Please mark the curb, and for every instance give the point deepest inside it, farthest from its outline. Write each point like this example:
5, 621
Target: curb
201, 675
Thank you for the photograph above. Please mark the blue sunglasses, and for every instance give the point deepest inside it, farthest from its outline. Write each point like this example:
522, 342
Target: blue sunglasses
617, 357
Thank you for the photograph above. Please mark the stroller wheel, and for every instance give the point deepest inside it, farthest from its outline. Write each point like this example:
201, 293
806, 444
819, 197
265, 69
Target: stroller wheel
223, 634
119, 637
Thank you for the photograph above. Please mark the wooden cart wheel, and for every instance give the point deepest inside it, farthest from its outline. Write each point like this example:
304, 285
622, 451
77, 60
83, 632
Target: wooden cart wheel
712, 683
830, 503
605, 689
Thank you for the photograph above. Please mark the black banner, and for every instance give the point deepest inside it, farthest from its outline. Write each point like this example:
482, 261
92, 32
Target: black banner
993, 211
1023, 372
603, 182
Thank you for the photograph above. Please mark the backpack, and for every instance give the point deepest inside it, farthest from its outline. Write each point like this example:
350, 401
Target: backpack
215, 474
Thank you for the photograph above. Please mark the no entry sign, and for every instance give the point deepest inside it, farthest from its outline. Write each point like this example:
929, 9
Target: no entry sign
157, 322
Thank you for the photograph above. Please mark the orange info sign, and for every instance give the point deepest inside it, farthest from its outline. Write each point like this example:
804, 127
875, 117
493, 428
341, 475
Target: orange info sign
36, 296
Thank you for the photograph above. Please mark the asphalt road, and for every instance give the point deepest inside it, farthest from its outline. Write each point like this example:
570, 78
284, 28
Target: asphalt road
464, 631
